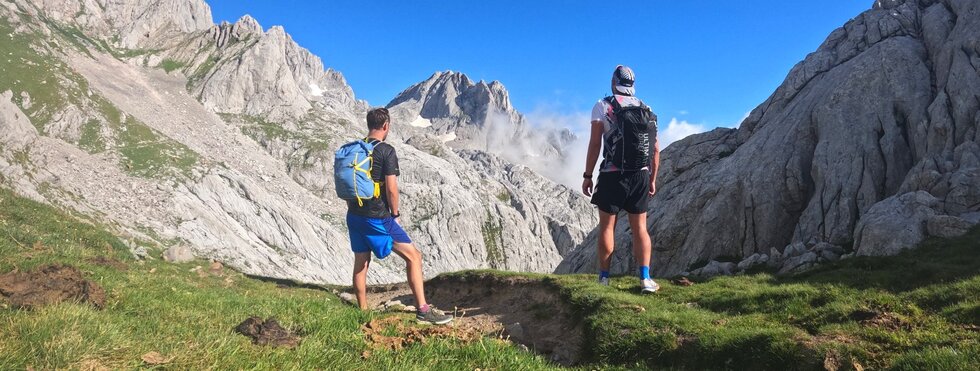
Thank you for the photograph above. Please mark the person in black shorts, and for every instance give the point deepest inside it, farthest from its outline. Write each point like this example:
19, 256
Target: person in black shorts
623, 184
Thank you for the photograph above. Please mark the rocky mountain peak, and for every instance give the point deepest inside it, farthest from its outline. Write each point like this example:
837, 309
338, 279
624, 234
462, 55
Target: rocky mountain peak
453, 95
248, 24
129, 24
479, 116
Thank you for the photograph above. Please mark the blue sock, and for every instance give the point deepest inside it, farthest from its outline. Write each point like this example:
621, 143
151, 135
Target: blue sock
603, 274
644, 272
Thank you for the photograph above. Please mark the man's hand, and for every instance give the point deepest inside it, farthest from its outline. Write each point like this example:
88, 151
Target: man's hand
653, 186
587, 187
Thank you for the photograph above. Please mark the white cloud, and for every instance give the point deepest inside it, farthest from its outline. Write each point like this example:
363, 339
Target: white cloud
683, 113
569, 170
677, 130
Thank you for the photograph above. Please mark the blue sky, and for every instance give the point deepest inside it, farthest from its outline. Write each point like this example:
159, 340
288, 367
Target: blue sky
704, 63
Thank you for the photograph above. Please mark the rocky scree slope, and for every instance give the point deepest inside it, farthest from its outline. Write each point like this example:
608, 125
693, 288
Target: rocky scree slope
869, 145
220, 138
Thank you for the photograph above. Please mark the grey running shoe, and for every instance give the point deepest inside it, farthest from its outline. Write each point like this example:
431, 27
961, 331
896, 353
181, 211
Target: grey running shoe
604, 281
433, 317
649, 286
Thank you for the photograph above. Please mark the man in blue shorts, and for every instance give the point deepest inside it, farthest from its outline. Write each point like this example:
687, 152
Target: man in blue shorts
373, 224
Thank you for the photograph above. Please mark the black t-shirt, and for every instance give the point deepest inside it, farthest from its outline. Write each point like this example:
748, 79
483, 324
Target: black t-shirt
385, 163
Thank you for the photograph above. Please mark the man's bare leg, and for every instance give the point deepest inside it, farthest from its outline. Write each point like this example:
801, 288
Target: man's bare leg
361, 263
413, 262
607, 239
641, 252
641, 239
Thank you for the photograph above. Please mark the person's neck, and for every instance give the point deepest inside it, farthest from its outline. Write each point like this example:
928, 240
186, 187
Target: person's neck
376, 135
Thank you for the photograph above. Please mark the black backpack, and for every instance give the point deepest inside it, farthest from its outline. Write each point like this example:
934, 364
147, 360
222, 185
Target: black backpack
632, 152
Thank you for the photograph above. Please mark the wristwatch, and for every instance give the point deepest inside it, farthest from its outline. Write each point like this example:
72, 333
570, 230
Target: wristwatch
587, 176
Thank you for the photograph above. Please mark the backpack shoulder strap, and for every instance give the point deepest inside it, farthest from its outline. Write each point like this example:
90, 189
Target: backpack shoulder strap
614, 103
369, 144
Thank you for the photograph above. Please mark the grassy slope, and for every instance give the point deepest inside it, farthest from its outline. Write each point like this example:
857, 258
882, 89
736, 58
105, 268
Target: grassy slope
755, 321
179, 314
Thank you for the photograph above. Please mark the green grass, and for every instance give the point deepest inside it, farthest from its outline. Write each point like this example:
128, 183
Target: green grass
756, 321
149, 154
170, 65
143, 151
179, 314
926, 297
761, 321
91, 139
202, 71
263, 132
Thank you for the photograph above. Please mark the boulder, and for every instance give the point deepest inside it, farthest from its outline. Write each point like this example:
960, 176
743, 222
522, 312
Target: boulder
140, 253
348, 297
799, 263
828, 252
895, 224
178, 254
752, 261
947, 226
973, 218
715, 268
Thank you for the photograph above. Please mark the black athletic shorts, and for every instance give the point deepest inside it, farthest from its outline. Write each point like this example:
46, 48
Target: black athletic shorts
617, 191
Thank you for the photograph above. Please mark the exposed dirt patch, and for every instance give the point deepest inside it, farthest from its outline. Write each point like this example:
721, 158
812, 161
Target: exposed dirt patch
113, 263
889, 321
526, 311
393, 333
881, 319
832, 361
267, 332
683, 281
155, 358
49, 284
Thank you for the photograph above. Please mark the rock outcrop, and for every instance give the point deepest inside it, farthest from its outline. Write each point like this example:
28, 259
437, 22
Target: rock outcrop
869, 137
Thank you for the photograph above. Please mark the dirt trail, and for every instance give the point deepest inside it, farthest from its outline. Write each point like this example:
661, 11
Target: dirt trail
527, 311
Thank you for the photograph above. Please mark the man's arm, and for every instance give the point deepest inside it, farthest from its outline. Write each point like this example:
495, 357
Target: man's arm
391, 190
654, 166
391, 171
655, 159
595, 145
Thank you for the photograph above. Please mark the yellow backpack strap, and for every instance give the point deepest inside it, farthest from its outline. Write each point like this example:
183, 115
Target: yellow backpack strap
358, 166
377, 185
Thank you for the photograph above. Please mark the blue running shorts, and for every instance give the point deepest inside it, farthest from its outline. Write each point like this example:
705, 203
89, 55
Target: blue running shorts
374, 234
